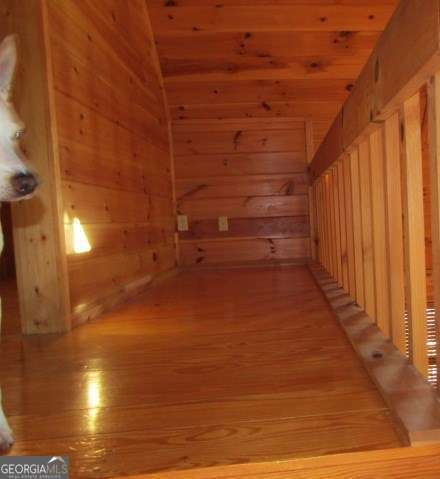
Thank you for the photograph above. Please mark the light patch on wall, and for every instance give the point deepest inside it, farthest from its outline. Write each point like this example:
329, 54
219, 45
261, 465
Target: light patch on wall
81, 243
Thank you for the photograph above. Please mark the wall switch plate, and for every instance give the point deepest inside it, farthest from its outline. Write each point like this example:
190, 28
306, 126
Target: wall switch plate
182, 223
223, 223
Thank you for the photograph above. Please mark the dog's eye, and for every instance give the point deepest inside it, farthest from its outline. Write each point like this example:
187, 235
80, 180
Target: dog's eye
18, 134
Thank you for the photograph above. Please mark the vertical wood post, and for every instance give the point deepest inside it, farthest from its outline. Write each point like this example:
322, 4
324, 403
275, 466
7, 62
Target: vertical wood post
346, 161
367, 229
357, 228
38, 223
337, 221
343, 226
394, 231
377, 183
414, 232
434, 143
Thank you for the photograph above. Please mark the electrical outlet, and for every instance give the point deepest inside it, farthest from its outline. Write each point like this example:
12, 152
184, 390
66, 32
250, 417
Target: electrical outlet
223, 223
182, 223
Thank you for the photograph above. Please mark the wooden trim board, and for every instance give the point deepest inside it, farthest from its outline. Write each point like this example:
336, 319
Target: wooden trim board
404, 463
126, 292
412, 400
39, 244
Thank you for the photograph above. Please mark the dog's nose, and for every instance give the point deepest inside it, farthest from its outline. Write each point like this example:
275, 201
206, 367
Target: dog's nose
24, 183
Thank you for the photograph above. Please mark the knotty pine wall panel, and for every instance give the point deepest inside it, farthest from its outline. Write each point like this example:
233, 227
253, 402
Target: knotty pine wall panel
254, 172
243, 78
113, 147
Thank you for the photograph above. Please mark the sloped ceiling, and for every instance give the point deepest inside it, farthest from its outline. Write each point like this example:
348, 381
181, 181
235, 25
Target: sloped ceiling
264, 58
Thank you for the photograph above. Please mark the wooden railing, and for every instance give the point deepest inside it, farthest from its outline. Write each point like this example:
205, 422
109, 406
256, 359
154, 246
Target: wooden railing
375, 195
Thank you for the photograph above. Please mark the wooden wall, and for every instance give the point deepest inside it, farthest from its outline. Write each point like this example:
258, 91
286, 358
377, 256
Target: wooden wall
113, 147
243, 79
252, 171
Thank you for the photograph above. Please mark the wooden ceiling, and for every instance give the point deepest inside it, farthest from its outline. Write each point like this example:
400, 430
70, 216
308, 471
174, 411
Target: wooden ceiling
264, 58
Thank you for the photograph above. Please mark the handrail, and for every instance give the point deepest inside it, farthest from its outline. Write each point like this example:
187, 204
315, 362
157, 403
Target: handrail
406, 56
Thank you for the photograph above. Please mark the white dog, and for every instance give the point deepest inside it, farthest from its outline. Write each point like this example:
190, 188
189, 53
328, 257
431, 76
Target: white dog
17, 180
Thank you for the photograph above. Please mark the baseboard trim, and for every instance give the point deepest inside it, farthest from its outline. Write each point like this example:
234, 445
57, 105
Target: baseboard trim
404, 463
411, 399
120, 296
247, 264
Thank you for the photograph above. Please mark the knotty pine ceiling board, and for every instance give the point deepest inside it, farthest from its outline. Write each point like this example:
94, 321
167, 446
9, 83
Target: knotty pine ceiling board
224, 59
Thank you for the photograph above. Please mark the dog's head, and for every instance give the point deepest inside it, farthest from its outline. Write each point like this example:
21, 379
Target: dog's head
17, 180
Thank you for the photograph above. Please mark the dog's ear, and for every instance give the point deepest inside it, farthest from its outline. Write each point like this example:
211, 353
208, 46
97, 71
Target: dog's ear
8, 62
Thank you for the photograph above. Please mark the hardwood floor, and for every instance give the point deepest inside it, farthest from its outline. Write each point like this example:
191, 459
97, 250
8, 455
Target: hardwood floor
211, 368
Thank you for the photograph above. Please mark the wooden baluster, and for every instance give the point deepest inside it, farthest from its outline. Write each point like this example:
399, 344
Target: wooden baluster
377, 184
343, 225
332, 223
312, 222
346, 161
394, 231
367, 229
315, 236
325, 241
357, 227
415, 267
327, 212
319, 220
434, 145
337, 225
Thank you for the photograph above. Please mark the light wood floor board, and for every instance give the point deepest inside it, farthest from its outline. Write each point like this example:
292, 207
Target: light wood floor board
210, 368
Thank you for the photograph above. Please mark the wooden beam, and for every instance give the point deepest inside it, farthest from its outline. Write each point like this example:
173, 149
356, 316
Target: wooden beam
414, 232
388, 79
434, 143
329, 150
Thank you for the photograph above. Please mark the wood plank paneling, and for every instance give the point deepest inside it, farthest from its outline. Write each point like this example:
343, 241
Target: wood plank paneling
268, 18
243, 170
234, 164
240, 95
245, 185
115, 161
219, 92
315, 109
244, 207
244, 249
272, 227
